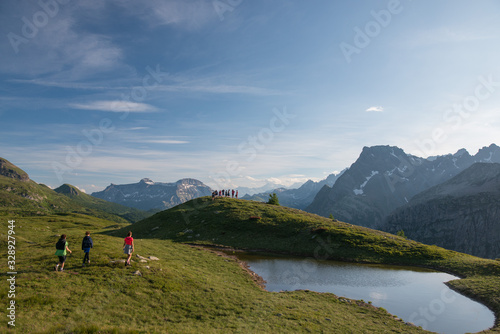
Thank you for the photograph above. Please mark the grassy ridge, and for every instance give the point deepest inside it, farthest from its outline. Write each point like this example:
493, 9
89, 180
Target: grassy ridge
195, 291
229, 222
255, 225
23, 198
187, 291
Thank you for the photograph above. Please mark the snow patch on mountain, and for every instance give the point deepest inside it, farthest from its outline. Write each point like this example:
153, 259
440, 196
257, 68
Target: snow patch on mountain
360, 191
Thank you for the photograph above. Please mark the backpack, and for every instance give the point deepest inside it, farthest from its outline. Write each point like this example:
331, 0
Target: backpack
61, 244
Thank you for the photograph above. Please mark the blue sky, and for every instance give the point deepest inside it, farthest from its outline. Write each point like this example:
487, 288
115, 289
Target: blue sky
240, 92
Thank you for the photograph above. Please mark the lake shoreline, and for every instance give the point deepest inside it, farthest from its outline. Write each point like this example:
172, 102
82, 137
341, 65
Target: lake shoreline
222, 250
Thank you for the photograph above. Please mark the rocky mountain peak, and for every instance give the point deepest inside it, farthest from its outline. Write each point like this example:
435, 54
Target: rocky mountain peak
67, 189
488, 154
8, 169
461, 152
147, 181
384, 178
147, 194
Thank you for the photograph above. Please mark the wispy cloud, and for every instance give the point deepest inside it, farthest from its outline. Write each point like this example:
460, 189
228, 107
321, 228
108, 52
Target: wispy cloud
185, 14
218, 89
162, 141
375, 109
115, 106
61, 50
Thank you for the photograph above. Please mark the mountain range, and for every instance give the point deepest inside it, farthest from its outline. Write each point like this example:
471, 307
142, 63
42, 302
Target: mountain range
156, 196
460, 214
298, 198
385, 178
448, 200
250, 191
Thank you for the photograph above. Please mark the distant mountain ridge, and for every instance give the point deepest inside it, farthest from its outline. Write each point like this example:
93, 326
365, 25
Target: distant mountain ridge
384, 178
298, 198
21, 196
149, 195
128, 213
462, 213
269, 186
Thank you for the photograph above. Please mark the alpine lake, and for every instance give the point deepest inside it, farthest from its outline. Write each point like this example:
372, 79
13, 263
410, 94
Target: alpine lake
415, 295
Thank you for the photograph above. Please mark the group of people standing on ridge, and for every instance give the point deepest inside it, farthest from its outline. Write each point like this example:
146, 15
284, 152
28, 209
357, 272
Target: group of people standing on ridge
225, 193
62, 249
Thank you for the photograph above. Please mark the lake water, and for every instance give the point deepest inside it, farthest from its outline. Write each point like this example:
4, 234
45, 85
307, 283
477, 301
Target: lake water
413, 294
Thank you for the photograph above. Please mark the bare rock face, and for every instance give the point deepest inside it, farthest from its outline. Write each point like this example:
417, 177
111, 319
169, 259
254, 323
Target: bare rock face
462, 214
7, 169
148, 195
385, 178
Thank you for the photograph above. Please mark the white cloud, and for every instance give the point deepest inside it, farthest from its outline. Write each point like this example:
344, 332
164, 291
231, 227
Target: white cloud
375, 108
115, 106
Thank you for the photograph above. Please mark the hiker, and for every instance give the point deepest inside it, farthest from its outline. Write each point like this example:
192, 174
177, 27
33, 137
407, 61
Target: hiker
236, 193
87, 244
128, 247
61, 251
232, 193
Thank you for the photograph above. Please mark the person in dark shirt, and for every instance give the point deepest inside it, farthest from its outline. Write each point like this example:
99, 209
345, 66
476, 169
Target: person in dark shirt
87, 244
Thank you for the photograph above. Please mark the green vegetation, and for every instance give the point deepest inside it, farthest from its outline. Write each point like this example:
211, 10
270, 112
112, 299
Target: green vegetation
273, 199
192, 290
401, 234
332, 218
290, 231
284, 230
189, 290
28, 198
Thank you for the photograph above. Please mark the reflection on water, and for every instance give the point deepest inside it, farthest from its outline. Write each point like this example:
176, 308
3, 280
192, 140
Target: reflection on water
415, 295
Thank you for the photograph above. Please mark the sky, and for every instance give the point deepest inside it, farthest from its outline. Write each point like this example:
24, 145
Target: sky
239, 92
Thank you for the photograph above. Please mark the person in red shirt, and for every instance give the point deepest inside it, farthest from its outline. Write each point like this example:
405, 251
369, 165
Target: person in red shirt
128, 247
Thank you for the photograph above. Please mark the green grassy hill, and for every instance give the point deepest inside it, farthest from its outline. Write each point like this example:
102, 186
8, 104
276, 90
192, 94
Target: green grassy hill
20, 196
193, 290
188, 290
28, 198
257, 226
254, 225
